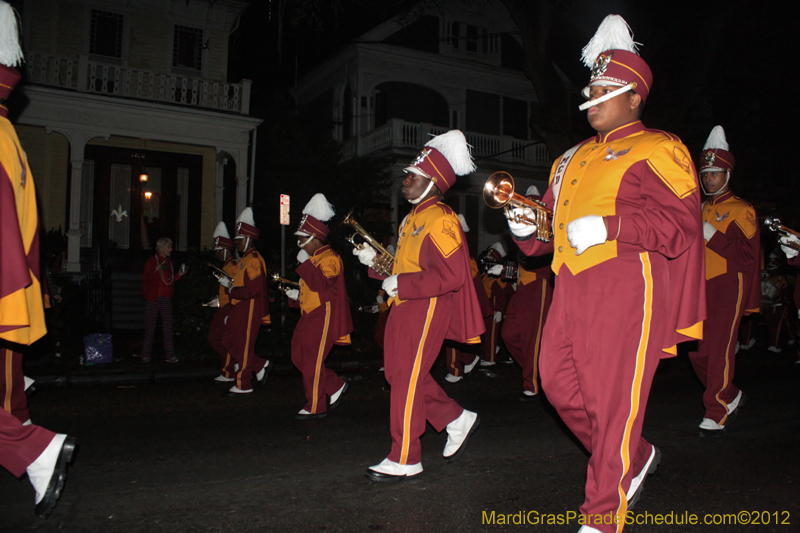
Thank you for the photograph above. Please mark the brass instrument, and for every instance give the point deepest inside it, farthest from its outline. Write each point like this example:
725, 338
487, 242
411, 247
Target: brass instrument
774, 224
283, 283
383, 262
499, 192
218, 272
214, 302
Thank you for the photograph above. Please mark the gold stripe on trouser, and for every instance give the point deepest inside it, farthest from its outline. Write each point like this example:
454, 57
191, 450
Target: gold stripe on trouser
412, 383
320, 354
726, 375
539, 338
636, 385
9, 378
246, 345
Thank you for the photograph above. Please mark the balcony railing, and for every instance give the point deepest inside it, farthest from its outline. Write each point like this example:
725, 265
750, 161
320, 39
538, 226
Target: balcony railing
399, 134
98, 78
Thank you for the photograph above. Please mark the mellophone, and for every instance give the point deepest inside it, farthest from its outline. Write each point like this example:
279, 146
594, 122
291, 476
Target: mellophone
774, 224
499, 192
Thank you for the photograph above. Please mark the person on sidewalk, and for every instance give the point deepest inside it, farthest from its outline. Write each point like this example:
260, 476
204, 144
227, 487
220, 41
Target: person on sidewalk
249, 308
433, 299
40, 452
733, 283
325, 311
223, 250
628, 258
158, 286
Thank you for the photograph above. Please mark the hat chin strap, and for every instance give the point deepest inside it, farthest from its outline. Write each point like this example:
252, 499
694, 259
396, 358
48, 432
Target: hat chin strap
304, 242
591, 103
721, 189
423, 195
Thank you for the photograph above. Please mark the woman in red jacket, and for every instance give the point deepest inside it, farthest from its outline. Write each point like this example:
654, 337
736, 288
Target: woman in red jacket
158, 282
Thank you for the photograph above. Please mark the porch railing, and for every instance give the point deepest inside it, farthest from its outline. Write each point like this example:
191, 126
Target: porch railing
397, 133
88, 76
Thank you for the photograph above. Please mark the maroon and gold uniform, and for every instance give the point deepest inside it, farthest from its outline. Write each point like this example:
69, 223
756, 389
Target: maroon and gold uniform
217, 328
435, 300
499, 292
624, 304
325, 320
457, 354
732, 290
524, 322
21, 304
249, 310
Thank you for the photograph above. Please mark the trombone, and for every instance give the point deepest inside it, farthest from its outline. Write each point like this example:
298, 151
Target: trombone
381, 263
774, 224
499, 192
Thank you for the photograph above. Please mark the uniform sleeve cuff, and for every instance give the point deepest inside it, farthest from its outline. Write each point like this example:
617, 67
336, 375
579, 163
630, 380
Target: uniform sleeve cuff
614, 225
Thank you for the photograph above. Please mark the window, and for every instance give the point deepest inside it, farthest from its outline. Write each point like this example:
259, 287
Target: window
105, 36
187, 50
472, 38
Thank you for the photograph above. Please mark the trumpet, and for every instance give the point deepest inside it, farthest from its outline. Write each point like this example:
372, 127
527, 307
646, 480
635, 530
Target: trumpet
283, 283
774, 224
499, 192
383, 262
219, 272
214, 302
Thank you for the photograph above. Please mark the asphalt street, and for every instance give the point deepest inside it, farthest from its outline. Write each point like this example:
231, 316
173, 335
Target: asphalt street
175, 456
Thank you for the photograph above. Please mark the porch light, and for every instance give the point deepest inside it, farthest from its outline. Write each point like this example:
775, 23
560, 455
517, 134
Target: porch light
148, 195
143, 177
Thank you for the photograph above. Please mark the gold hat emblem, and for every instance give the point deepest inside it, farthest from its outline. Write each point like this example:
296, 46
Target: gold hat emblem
601, 65
709, 157
421, 157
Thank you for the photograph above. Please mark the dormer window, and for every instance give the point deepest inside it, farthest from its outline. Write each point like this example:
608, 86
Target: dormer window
187, 50
105, 34
471, 38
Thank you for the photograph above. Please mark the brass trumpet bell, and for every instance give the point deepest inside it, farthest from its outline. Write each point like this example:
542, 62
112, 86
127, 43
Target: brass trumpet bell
498, 192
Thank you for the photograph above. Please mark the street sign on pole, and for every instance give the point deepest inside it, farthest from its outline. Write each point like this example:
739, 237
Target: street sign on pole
284, 209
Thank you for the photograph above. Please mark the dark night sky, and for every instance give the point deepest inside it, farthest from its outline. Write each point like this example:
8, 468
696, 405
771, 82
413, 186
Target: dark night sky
714, 62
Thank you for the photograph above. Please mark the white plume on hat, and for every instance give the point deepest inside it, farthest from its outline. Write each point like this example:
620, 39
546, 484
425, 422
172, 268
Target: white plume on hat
464, 225
612, 34
10, 52
499, 247
716, 139
221, 231
319, 208
533, 190
246, 216
453, 146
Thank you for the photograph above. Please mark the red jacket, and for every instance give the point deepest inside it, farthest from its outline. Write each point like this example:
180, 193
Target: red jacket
159, 278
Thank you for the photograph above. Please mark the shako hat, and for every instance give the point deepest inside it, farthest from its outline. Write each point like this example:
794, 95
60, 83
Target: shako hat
444, 157
716, 156
246, 225
613, 57
222, 239
316, 213
10, 51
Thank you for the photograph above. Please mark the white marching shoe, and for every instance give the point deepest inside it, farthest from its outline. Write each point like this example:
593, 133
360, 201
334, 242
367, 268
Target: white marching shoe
458, 433
388, 470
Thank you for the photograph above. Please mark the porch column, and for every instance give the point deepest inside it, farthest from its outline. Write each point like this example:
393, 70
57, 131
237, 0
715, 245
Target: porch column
219, 189
74, 231
241, 182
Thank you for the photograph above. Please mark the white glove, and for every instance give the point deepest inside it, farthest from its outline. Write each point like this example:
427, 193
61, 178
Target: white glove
498, 316
379, 299
302, 256
365, 253
586, 232
788, 250
708, 231
798, 313
390, 285
520, 229
496, 270
293, 294
225, 282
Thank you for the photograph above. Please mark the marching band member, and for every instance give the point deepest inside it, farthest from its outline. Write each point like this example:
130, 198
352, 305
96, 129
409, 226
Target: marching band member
628, 259
433, 298
223, 250
526, 314
499, 291
44, 455
249, 308
325, 311
733, 283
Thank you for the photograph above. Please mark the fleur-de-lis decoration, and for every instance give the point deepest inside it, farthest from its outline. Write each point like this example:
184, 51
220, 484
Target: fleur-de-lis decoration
119, 213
